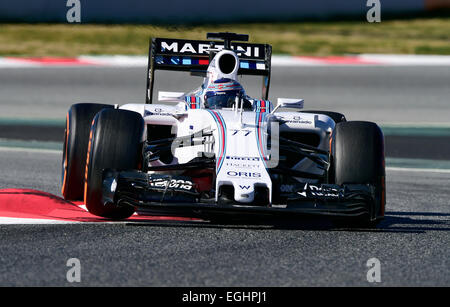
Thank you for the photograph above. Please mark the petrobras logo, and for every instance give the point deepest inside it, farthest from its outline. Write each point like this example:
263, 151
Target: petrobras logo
243, 174
176, 184
201, 47
310, 190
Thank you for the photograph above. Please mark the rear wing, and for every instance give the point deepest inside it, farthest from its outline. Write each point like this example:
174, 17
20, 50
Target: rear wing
194, 56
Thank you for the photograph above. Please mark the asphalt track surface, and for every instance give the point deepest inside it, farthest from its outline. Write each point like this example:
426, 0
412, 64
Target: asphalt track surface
412, 243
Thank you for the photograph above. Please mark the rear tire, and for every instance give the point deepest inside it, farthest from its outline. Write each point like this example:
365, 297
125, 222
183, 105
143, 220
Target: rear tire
78, 124
358, 158
115, 143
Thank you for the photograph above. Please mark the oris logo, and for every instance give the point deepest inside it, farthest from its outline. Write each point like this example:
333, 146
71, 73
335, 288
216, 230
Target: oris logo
244, 174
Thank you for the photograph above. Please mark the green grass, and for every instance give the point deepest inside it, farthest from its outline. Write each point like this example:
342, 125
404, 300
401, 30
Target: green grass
412, 36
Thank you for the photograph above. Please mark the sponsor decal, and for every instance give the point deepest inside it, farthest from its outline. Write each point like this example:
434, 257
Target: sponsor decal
296, 120
244, 187
157, 111
244, 174
173, 46
242, 165
311, 190
245, 132
242, 162
243, 158
174, 184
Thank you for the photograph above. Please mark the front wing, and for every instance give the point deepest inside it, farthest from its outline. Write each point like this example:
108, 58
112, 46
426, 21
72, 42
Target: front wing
177, 196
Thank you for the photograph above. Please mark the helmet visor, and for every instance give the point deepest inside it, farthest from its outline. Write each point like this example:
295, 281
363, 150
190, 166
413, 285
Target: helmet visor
218, 100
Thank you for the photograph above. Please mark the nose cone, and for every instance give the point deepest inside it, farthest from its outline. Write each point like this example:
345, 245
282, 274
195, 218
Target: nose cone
239, 160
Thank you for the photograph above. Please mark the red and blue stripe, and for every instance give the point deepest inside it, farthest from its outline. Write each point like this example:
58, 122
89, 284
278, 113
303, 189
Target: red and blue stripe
193, 102
222, 132
259, 122
263, 106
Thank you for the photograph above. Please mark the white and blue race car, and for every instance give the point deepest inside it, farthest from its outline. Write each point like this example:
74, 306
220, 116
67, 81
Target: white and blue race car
215, 151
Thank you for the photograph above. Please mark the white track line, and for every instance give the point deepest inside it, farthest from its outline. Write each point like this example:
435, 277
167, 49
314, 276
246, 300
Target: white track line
35, 221
16, 221
419, 170
37, 150
277, 60
407, 59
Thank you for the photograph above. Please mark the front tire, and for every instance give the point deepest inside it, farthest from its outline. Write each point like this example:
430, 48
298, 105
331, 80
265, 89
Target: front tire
78, 124
114, 143
358, 158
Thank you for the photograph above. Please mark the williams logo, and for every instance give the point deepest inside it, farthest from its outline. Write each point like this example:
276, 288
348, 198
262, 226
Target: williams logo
244, 187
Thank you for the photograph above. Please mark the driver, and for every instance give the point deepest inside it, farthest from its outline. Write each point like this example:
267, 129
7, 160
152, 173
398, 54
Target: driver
222, 93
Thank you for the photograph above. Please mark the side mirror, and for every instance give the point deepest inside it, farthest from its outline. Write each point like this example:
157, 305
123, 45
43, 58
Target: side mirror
170, 96
294, 103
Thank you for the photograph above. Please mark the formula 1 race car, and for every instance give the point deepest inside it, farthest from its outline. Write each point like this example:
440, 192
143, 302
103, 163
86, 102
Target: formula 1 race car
215, 151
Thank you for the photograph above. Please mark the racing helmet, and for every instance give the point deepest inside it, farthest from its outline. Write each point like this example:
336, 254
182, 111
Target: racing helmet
222, 93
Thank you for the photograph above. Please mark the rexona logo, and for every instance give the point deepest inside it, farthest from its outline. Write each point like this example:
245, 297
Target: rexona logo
243, 174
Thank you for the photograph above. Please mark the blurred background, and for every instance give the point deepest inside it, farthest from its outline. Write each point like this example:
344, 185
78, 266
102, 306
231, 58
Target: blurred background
383, 61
